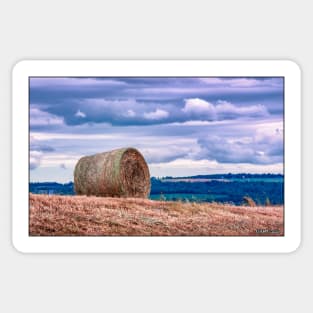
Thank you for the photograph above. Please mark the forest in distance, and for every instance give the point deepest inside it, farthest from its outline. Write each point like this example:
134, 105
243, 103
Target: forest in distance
264, 189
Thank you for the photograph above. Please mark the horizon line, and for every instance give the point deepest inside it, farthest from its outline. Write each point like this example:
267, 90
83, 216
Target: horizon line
158, 177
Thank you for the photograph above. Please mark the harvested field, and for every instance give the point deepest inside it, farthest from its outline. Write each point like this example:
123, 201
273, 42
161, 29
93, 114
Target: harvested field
96, 216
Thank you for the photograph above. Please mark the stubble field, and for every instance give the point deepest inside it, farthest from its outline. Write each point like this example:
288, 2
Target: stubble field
96, 216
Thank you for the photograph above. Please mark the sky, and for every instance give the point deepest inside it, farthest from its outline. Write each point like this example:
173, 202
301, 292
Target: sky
183, 126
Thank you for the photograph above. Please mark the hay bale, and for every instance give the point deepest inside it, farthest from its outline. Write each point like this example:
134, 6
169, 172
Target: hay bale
118, 173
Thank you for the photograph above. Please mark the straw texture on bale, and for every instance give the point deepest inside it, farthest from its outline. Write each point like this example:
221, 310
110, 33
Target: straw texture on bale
118, 173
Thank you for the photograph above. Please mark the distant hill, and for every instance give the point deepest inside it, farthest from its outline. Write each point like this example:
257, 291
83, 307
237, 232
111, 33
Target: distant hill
52, 188
226, 188
230, 176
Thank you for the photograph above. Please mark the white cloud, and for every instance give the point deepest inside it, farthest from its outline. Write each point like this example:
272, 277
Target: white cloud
130, 113
211, 80
230, 82
263, 144
244, 82
37, 150
79, 113
270, 133
74, 82
55, 173
159, 153
64, 136
224, 107
42, 118
189, 167
199, 106
192, 123
241, 82
200, 109
63, 161
34, 159
158, 114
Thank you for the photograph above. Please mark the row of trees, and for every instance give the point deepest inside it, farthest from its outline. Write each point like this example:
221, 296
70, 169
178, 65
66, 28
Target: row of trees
262, 192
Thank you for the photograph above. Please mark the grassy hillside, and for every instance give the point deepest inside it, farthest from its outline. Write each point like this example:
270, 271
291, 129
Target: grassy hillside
93, 216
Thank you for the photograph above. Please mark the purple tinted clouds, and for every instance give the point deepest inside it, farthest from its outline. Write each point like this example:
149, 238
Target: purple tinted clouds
223, 120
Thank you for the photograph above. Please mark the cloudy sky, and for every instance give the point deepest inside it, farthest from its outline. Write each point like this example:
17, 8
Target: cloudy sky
182, 126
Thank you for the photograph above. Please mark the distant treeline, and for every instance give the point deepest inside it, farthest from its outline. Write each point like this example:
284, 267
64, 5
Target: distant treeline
52, 188
230, 188
228, 176
233, 191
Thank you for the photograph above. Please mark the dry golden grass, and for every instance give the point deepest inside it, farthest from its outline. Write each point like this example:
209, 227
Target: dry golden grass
95, 216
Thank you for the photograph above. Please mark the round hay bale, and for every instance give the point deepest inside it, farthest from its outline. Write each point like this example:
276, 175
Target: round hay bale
118, 173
